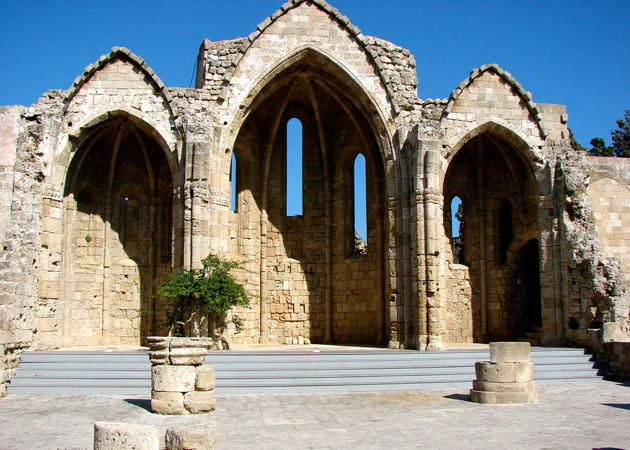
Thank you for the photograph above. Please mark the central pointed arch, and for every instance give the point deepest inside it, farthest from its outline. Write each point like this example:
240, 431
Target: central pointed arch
310, 285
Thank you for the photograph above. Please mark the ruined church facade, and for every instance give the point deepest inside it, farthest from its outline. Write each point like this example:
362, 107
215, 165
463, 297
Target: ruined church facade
110, 185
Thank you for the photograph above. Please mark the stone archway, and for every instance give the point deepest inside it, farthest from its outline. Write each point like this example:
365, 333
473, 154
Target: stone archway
118, 235
485, 294
312, 281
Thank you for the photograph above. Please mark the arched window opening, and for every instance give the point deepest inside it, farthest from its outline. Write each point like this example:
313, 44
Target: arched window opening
233, 183
457, 230
294, 167
360, 205
505, 230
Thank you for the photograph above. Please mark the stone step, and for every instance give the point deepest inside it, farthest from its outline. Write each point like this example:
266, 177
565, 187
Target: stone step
232, 356
128, 373
287, 364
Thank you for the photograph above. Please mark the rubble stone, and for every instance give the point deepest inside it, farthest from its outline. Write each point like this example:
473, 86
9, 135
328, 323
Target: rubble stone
202, 436
199, 401
117, 436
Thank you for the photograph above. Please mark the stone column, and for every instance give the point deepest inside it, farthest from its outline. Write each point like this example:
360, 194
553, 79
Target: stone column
432, 219
180, 383
507, 378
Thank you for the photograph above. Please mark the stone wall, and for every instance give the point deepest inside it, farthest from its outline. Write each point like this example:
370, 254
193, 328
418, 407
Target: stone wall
609, 191
20, 266
597, 298
107, 187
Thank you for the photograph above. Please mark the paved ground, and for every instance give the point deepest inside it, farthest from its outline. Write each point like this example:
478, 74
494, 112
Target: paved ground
578, 415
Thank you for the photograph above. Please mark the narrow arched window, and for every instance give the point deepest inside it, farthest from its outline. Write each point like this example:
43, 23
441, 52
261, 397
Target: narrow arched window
457, 230
294, 167
360, 205
505, 230
233, 183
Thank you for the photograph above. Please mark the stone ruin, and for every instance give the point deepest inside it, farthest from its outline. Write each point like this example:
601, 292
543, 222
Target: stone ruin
180, 381
111, 184
507, 378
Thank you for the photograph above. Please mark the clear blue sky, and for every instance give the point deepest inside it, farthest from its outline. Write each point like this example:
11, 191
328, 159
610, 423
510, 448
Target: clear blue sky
575, 52
571, 52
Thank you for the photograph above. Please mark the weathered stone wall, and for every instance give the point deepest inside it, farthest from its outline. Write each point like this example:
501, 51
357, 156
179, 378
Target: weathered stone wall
79, 263
609, 191
19, 259
596, 295
9, 130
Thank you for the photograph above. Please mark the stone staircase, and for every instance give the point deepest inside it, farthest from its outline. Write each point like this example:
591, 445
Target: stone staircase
535, 336
240, 372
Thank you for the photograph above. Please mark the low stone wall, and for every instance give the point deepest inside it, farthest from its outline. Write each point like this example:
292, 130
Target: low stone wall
508, 377
617, 355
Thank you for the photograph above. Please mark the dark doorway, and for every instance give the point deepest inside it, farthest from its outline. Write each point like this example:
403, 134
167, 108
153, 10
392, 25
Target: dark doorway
532, 310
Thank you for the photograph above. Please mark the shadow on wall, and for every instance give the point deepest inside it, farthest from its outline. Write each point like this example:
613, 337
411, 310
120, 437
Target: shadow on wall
119, 216
488, 182
333, 291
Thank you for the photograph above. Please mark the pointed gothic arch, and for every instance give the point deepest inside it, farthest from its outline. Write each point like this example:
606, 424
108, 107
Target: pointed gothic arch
120, 217
491, 165
335, 129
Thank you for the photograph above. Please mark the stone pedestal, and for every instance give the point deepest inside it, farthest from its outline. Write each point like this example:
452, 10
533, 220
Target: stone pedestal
180, 383
508, 377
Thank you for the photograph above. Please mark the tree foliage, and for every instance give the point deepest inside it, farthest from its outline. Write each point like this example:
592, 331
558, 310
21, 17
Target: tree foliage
599, 148
211, 287
621, 137
620, 140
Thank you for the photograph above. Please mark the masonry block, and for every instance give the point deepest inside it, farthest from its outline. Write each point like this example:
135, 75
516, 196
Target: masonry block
199, 401
168, 403
503, 387
201, 436
509, 352
122, 436
187, 356
173, 378
205, 379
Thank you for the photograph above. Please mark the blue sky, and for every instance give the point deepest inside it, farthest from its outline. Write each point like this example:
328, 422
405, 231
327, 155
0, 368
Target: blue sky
575, 53
572, 52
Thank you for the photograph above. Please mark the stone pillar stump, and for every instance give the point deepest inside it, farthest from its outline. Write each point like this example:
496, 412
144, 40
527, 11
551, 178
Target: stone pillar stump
180, 383
507, 378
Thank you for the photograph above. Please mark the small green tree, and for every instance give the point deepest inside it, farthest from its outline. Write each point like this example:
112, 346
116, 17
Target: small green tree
211, 287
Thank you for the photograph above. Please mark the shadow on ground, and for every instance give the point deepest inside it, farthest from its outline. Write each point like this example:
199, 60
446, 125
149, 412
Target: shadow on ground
141, 402
618, 405
462, 397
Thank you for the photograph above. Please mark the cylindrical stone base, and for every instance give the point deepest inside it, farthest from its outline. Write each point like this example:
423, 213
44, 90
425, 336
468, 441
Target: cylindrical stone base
507, 378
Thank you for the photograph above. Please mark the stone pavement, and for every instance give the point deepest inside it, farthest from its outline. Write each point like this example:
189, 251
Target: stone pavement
568, 415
